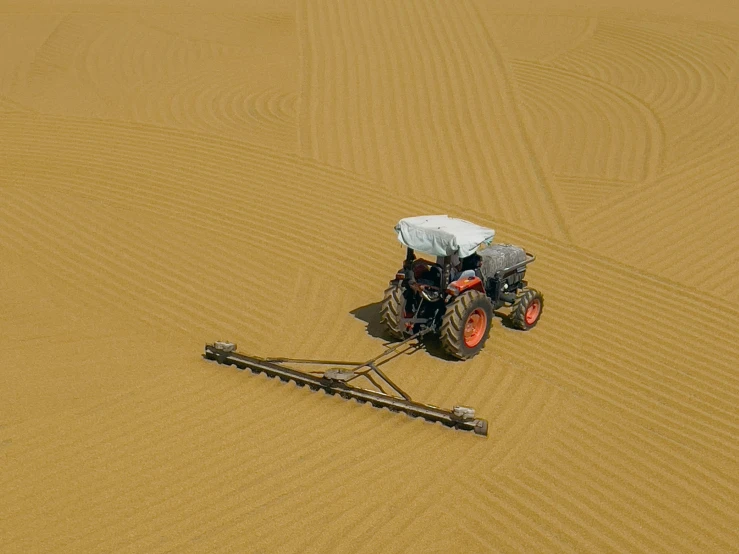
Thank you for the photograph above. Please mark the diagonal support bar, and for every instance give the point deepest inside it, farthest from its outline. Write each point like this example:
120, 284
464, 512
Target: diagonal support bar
459, 417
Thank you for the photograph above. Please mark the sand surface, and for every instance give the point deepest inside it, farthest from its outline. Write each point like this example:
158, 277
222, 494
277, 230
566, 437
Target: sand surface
175, 172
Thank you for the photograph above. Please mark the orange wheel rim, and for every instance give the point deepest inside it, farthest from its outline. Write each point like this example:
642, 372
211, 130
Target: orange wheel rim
532, 312
474, 328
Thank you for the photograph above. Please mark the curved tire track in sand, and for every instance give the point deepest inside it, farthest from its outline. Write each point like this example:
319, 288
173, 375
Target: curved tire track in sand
480, 153
613, 380
677, 212
192, 84
673, 70
597, 445
681, 359
169, 291
582, 193
187, 468
591, 129
535, 36
624, 385
206, 104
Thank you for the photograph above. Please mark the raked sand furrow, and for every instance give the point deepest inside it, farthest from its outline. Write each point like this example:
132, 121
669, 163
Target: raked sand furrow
540, 399
124, 413
687, 472
658, 371
131, 433
210, 105
625, 54
712, 169
659, 356
522, 424
610, 370
431, 391
550, 205
333, 475
129, 414
228, 313
194, 84
578, 531
675, 71
727, 31
582, 504
33, 243
575, 491
224, 509
8, 105
469, 120
60, 69
535, 36
661, 228
694, 60
650, 504
143, 463
593, 129
489, 530
230, 29
619, 374
181, 174
202, 102
196, 176
225, 512
539, 203
580, 193
211, 152
129, 281
651, 455
673, 296
654, 291
509, 517
596, 467
162, 204
225, 304
470, 105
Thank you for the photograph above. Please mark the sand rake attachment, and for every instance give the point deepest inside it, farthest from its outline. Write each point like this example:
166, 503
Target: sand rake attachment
342, 380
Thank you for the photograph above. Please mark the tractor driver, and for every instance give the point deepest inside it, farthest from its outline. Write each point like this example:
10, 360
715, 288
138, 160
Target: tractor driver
464, 268
469, 267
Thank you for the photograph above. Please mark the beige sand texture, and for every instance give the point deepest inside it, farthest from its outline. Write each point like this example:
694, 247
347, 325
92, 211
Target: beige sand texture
176, 172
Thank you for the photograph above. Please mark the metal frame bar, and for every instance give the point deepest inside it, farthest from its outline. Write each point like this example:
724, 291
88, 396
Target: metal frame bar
330, 382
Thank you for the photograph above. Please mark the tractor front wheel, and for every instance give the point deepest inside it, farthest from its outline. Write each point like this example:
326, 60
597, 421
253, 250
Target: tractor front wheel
392, 310
527, 309
466, 324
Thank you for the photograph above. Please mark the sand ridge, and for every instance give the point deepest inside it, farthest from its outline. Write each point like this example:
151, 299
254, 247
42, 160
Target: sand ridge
176, 174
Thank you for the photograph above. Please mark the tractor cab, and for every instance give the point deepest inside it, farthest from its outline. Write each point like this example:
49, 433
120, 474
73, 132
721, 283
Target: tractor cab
456, 294
453, 242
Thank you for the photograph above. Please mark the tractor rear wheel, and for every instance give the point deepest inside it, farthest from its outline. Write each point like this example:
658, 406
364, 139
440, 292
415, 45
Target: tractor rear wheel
527, 309
466, 323
392, 310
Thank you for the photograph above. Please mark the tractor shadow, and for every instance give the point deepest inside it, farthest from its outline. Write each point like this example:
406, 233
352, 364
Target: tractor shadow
370, 314
505, 320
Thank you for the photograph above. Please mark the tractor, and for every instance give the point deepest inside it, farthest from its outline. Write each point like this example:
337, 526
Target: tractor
455, 296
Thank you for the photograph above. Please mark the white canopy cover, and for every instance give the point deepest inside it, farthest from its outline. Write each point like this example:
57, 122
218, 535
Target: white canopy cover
441, 235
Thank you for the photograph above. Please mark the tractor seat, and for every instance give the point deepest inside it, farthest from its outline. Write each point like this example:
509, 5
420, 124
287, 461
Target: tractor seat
430, 274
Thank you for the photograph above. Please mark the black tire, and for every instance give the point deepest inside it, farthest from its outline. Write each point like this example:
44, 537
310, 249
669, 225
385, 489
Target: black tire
455, 321
391, 310
527, 309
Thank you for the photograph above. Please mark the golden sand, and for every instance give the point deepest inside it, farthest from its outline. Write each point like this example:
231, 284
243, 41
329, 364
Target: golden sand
173, 173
